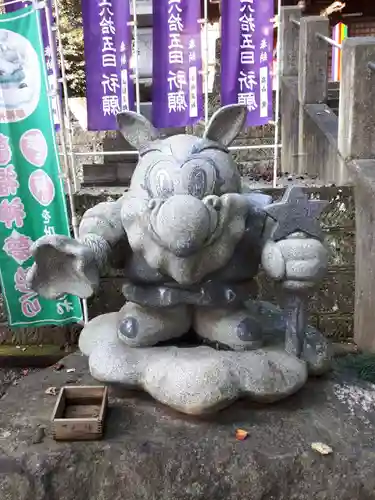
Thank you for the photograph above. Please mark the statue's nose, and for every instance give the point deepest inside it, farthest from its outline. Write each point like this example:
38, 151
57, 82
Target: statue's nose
182, 224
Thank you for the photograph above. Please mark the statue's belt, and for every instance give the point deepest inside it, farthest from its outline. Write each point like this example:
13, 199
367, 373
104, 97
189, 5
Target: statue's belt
206, 294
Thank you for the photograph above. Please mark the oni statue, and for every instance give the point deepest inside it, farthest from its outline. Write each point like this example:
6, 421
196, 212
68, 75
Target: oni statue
12, 62
190, 239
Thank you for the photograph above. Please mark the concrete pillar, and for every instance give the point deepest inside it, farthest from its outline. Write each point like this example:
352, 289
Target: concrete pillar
312, 83
357, 99
313, 60
289, 37
364, 304
356, 144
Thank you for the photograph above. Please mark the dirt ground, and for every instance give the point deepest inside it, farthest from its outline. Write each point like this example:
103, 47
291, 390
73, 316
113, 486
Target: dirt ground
11, 376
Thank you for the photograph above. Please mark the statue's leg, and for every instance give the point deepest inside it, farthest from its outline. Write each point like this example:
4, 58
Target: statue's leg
235, 328
141, 326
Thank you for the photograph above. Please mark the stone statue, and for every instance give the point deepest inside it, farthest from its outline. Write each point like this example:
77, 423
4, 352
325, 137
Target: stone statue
190, 239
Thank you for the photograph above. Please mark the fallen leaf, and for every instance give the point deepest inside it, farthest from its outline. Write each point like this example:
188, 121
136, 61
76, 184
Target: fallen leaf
322, 448
70, 370
241, 434
52, 391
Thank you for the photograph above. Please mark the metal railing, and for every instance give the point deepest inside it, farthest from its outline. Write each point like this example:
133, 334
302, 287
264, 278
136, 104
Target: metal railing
326, 39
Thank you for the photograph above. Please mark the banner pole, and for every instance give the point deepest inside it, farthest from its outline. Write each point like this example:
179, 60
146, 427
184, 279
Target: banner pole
40, 207
277, 103
67, 122
65, 125
136, 68
205, 31
59, 114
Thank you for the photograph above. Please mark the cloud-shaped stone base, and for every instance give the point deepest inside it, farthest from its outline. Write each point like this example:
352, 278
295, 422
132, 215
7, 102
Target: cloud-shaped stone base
191, 380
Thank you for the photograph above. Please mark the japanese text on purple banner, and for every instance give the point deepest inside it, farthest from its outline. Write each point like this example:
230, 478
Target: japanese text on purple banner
179, 83
248, 79
110, 79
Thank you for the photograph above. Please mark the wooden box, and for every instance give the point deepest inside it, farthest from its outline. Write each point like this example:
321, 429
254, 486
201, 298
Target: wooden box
79, 413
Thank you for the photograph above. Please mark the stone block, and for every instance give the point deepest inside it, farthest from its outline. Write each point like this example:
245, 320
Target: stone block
341, 212
337, 327
335, 295
342, 249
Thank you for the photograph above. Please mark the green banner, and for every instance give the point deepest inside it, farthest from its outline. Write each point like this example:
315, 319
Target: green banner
32, 200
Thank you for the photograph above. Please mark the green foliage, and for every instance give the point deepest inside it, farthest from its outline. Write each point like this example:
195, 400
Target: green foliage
72, 41
361, 365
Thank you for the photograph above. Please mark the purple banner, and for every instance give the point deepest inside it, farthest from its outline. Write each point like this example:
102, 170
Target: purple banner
177, 63
246, 57
51, 70
108, 49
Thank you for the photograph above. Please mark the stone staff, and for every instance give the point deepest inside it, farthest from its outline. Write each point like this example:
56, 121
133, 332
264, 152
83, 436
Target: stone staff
296, 216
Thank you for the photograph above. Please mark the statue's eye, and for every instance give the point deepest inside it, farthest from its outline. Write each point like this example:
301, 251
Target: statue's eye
197, 182
159, 180
163, 185
198, 177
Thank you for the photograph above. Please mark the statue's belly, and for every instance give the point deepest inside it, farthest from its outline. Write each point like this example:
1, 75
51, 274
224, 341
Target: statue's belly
228, 286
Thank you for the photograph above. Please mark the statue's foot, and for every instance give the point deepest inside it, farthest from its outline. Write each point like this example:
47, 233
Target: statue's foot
195, 380
141, 326
236, 329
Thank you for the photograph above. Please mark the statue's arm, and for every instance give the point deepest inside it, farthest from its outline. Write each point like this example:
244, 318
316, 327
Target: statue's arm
298, 260
258, 224
101, 230
65, 265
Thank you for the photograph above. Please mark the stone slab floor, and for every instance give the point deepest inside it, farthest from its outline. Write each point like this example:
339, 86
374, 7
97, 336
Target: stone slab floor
150, 452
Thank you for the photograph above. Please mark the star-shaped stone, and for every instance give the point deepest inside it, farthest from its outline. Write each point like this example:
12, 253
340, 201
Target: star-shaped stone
296, 213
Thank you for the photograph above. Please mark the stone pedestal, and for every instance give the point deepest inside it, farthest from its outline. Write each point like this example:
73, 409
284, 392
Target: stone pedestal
150, 452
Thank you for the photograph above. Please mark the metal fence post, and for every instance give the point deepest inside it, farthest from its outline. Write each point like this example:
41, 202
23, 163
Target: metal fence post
289, 35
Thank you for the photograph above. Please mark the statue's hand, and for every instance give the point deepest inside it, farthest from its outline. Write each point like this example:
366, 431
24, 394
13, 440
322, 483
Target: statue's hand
299, 262
62, 265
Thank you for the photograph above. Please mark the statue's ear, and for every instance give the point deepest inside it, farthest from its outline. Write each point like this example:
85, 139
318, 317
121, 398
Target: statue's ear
136, 129
226, 124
